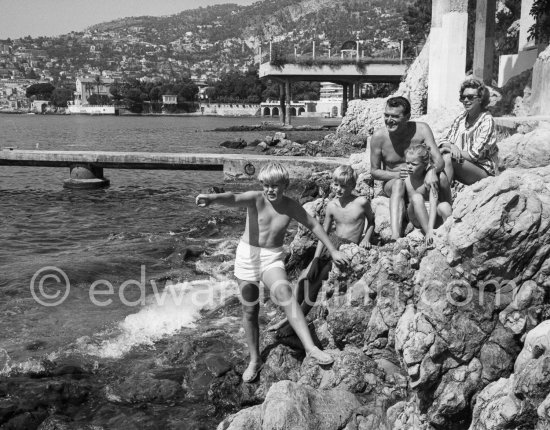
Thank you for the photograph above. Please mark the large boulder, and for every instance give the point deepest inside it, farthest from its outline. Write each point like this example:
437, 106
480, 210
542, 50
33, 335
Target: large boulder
523, 399
526, 150
293, 406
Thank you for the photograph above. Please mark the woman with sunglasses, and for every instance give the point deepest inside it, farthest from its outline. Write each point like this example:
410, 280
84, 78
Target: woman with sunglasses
469, 148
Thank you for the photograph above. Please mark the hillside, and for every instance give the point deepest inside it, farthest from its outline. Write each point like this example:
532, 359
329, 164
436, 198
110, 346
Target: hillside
206, 42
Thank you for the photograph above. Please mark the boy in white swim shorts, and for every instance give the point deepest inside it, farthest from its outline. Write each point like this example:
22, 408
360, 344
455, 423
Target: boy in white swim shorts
260, 257
252, 261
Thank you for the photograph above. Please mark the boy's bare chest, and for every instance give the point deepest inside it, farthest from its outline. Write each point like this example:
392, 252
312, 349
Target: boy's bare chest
270, 218
351, 213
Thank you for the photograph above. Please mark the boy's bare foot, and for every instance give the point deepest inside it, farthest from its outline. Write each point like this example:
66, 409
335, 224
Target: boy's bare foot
252, 371
320, 357
277, 326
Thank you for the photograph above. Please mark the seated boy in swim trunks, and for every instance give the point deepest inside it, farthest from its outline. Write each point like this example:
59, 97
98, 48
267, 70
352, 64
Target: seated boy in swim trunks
425, 210
353, 223
259, 257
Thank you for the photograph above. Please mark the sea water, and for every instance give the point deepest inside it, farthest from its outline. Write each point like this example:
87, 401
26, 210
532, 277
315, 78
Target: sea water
96, 252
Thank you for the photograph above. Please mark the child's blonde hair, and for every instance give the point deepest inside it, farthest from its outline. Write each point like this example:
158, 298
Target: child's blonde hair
421, 151
345, 175
273, 173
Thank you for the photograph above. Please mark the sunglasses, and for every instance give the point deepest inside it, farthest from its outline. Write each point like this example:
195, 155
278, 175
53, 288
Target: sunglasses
468, 97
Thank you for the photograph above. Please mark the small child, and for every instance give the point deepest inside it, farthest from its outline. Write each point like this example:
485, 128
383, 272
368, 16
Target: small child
425, 209
259, 257
353, 223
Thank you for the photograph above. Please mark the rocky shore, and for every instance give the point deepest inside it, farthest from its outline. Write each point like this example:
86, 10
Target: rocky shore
454, 337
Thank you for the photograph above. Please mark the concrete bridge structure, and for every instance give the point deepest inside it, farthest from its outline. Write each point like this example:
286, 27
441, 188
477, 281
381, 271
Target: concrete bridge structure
86, 167
350, 76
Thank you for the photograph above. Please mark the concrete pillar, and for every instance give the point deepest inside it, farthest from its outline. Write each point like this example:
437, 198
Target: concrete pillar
484, 45
526, 21
344, 99
357, 90
540, 93
288, 101
86, 177
447, 52
282, 103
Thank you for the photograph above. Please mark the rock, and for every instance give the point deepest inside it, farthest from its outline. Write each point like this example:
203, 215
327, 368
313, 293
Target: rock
537, 343
296, 407
526, 150
237, 143
382, 224
523, 398
253, 143
278, 137
433, 332
144, 388
262, 146
303, 245
246, 419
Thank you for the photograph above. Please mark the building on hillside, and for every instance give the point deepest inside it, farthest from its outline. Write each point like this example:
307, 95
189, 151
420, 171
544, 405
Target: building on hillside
169, 99
85, 87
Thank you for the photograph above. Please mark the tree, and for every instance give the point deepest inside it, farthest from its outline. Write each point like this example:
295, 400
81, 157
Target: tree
60, 96
418, 17
99, 99
40, 91
540, 31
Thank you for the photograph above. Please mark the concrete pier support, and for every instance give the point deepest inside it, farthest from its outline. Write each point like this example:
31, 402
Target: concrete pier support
447, 52
282, 103
344, 99
288, 101
86, 177
484, 46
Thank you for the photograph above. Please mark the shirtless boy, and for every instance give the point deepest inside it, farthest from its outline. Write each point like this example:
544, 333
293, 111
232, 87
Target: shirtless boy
425, 210
387, 154
259, 257
353, 223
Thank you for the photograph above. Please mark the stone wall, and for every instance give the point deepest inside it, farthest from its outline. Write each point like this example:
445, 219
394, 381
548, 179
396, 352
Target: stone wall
230, 109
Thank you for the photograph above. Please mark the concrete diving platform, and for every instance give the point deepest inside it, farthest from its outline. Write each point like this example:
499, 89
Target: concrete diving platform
86, 167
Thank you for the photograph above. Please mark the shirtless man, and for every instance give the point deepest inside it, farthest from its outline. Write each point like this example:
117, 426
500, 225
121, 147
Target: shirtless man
387, 156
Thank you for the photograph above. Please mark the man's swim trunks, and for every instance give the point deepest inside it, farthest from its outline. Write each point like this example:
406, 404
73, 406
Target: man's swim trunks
251, 262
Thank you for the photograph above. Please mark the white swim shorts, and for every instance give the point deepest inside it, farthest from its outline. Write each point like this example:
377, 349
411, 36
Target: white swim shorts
251, 262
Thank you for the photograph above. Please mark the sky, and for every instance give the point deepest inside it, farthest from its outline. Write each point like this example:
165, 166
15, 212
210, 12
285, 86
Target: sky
20, 18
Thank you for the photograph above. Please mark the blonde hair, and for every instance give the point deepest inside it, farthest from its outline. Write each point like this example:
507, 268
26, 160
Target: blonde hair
273, 173
421, 151
345, 175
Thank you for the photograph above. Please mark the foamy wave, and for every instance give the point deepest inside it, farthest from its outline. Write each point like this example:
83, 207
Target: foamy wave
166, 312
30, 366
